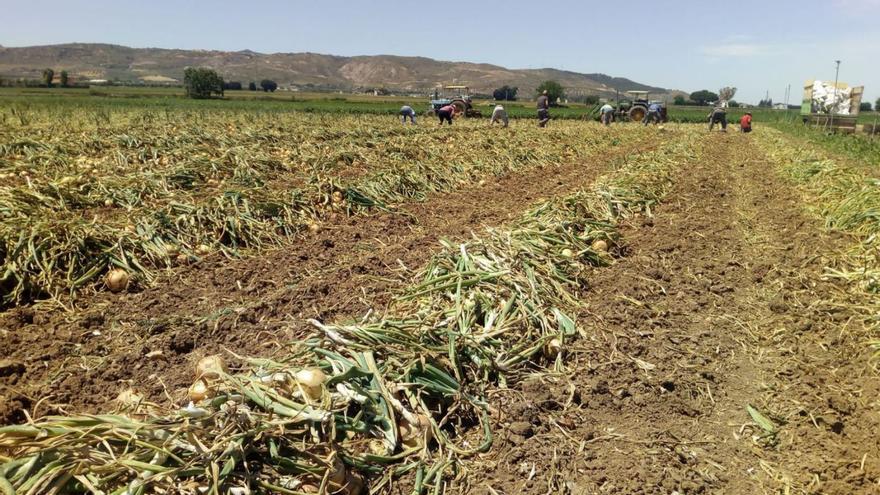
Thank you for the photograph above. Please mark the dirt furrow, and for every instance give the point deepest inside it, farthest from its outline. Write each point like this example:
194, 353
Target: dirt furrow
252, 305
718, 305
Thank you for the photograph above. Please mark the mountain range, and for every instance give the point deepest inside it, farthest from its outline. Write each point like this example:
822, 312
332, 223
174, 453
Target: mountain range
96, 61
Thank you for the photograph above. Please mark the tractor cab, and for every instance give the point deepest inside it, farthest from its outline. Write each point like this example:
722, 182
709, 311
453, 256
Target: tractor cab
635, 106
457, 96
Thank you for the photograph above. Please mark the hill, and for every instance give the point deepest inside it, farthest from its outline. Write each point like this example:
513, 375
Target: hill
88, 61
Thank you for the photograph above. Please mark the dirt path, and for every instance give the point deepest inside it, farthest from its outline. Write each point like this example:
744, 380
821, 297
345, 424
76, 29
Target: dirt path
254, 305
719, 304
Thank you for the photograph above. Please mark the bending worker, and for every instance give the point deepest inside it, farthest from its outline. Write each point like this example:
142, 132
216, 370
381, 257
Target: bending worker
446, 113
407, 111
719, 115
654, 114
745, 123
499, 115
606, 113
543, 105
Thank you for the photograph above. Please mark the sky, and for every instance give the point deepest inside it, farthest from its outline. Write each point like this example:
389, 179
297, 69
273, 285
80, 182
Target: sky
756, 46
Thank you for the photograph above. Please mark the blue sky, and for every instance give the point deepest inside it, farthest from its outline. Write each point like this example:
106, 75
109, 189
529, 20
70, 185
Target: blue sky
689, 45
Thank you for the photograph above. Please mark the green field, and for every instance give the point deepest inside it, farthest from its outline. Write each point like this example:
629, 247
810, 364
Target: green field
111, 97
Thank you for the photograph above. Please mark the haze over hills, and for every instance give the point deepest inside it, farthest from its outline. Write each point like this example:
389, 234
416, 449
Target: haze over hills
88, 61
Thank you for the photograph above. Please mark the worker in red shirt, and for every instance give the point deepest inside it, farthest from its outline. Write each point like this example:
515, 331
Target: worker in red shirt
745, 123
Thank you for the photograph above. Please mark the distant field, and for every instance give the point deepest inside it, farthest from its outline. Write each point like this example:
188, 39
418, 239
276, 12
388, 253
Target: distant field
158, 97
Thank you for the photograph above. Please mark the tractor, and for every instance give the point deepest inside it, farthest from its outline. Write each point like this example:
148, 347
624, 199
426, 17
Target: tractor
636, 107
461, 101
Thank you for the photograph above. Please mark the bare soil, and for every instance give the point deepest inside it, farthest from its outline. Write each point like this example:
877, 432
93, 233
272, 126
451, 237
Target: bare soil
58, 361
718, 305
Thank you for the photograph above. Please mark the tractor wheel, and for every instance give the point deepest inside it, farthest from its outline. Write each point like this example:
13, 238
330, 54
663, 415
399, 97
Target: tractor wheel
637, 113
460, 106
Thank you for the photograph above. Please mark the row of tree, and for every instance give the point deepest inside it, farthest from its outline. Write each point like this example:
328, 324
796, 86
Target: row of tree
200, 82
49, 78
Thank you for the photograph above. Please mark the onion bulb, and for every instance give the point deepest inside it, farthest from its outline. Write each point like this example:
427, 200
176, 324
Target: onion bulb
203, 249
116, 280
129, 398
200, 390
378, 447
311, 380
554, 347
108, 203
418, 434
337, 197
308, 487
600, 246
210, 367
314, 227
566, 253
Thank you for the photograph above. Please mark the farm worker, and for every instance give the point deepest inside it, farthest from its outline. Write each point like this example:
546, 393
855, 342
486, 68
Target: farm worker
607, 114
745, 123
543, 109
446, 113
499, 114
718, 114
407, 111
654, 114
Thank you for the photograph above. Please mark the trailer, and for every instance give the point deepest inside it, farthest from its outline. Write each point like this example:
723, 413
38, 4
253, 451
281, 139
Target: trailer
831, 107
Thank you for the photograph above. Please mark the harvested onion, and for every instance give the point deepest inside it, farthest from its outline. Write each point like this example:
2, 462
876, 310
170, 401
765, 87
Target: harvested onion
129, 398
418, 434
311, 380
116, 280
337, 197
600, 246
203, 249
200, 390
210, 367
566, 253
314, 228
554, 347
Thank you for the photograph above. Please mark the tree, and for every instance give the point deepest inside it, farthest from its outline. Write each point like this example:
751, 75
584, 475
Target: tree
232, 85
733, 104
201, 82
865, 106
726, 93
554, 90
768, 103
703, 97
64, 79
505, 93
252, 86
48, 75
591, 100
877, 105
268, 85
679, 100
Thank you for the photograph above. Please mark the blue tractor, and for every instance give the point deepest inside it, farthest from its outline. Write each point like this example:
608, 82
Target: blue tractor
460, 99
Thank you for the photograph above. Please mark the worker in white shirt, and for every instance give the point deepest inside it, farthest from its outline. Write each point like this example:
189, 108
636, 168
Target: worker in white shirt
499, 114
